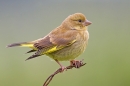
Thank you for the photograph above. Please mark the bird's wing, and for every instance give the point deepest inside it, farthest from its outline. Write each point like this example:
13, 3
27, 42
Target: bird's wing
54, 41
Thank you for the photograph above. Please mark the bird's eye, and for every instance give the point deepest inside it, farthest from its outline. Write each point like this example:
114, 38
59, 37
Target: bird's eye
80, 20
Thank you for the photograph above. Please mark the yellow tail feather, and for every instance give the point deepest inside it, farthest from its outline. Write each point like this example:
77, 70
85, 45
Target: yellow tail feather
27, 45
22, 44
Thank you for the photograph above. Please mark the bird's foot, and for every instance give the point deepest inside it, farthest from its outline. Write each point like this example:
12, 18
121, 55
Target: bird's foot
76, 63
62, 69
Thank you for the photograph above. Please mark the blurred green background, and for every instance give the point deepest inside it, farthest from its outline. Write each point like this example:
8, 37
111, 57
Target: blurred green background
107, 55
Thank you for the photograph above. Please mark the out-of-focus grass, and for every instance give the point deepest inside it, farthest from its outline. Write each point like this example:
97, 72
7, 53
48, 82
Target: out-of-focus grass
107, 55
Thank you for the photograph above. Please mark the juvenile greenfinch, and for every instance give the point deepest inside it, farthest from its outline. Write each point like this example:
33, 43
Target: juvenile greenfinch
64, 43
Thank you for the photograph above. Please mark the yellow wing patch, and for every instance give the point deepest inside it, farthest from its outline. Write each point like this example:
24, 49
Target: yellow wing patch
56, 48
52, 50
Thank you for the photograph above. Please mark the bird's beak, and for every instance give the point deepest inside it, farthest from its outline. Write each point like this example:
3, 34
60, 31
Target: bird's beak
87, 22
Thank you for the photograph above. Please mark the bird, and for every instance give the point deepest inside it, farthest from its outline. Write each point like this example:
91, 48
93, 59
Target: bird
64, 43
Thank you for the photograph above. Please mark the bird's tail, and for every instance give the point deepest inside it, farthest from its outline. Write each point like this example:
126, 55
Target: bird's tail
22, 44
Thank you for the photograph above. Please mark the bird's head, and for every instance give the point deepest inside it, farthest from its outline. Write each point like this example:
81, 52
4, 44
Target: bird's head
76, 21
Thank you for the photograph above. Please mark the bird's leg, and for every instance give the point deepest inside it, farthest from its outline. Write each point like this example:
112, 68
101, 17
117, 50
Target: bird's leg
76, 63
62, 67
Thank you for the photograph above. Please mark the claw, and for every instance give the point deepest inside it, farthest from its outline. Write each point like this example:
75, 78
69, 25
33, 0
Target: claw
76, 63
63, 69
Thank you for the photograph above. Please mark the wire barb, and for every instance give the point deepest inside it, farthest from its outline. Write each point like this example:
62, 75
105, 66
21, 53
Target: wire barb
48, 80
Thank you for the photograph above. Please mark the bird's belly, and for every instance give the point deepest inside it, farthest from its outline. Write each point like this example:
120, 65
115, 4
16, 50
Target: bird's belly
70, 52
